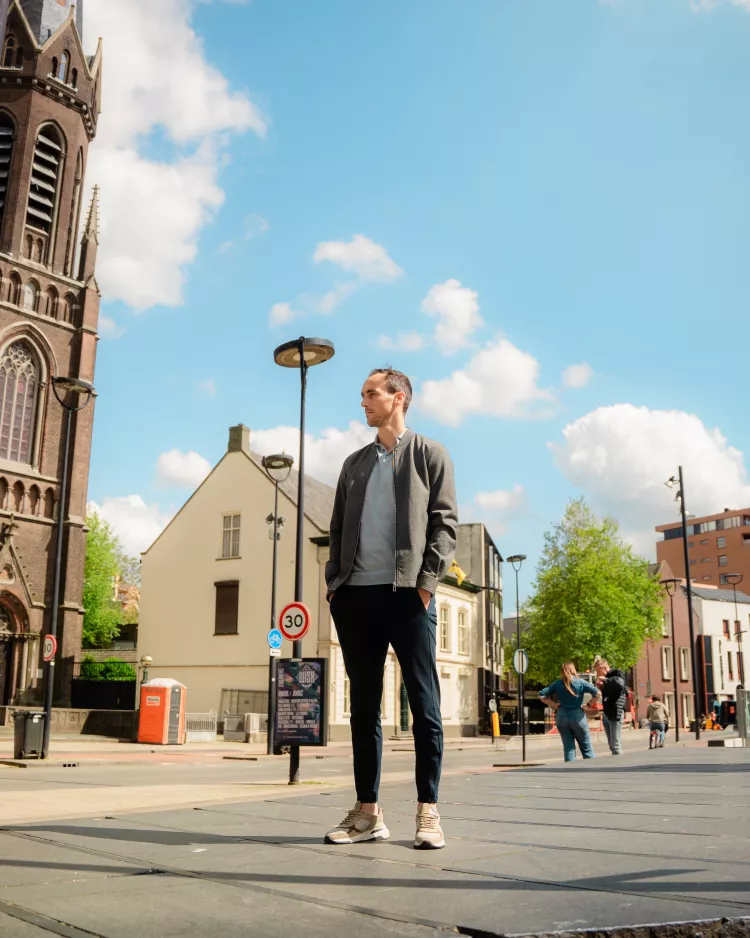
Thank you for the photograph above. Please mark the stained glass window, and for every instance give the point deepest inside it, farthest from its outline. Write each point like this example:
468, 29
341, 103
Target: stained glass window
19, 387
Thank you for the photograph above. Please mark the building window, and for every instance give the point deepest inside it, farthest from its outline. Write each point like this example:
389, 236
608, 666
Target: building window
725, 628
12, 54
737, 628
705, 560
666, 626
227, 607
62, 70
19, 391
666, 663
347, 696
723, 560
704, 541
46, 170
721, 542
6, 152
684, 664
741, 667
445, 628
669, 704
692, 562
706, 577
31, 296
463, 632
730, 666
230, 541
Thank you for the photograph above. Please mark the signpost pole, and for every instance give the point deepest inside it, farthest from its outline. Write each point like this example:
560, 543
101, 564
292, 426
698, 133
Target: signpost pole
272, 660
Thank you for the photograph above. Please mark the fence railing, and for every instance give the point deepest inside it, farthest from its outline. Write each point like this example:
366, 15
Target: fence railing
200, 727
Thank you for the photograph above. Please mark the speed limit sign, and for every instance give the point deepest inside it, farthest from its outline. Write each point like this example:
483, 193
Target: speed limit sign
49, 647
294, 621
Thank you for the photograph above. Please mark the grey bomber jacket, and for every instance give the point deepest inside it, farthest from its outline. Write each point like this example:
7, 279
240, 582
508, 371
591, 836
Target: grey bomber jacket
426, 513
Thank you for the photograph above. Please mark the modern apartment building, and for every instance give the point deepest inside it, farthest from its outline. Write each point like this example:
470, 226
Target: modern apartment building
717, 545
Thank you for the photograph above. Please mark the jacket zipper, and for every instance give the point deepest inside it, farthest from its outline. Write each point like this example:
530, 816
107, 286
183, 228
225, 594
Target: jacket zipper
395, 507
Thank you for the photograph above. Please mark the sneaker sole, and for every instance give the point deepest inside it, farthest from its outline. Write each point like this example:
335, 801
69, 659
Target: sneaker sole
424, 845
382, 834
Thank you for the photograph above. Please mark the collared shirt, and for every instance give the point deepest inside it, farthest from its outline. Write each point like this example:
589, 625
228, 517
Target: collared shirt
375, 560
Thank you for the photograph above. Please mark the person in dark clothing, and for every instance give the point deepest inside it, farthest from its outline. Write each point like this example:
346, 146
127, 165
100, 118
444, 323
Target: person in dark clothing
614, 696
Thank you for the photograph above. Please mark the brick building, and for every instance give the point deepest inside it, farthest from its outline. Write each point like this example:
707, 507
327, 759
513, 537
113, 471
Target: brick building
49, 308
717, 545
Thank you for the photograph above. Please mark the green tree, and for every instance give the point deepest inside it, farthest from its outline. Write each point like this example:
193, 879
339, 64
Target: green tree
102, 615
592, 596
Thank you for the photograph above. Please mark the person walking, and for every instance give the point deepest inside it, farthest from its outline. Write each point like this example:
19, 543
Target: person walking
658, 718
392, 539
570, 718
614, 697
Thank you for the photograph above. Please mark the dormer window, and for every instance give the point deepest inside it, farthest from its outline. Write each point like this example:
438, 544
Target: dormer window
9, 52
63, 67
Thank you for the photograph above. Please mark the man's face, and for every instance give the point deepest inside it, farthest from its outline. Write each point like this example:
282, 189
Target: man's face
378, 402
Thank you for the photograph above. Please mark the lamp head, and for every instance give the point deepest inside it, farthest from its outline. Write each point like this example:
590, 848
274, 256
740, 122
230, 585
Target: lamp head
312, 351
733, 578
516, 558
147, 660
671, 482
74, 385
278, 466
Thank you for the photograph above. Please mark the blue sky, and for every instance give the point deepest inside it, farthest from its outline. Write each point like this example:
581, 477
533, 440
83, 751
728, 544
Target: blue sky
570, 181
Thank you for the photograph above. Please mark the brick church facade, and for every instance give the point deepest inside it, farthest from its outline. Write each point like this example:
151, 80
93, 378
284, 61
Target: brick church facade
49, 308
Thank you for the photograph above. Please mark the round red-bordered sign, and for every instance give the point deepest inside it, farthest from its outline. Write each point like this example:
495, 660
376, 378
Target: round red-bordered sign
49, 647
294, 621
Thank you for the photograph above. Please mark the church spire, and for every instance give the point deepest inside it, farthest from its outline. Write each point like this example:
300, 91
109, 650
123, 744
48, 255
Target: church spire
47, 16
90, 240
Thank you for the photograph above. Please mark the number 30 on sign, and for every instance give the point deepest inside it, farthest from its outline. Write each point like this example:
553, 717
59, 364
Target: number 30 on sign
294, 621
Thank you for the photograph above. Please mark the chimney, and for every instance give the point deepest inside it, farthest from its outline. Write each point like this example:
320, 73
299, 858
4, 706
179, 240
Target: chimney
239, 439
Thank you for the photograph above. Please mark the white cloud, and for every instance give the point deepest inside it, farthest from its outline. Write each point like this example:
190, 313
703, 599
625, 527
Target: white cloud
282, 313
403, 342
370, 261
620, 457
136, 524
254, 225
577, 376
704, 6
176, 469
207, 387
108, 328
506, 501
335, 297
153, 210
324, 454
500, 381
457, 312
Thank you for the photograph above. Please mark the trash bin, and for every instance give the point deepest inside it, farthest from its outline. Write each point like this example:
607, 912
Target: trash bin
28, 736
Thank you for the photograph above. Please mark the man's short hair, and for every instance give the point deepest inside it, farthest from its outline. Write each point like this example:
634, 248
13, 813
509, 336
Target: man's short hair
395, 381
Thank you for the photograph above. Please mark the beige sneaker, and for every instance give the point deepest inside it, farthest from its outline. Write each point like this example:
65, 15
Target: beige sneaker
429, 832
357, 827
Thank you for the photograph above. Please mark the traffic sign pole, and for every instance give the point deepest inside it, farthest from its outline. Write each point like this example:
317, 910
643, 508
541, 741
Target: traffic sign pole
521, 664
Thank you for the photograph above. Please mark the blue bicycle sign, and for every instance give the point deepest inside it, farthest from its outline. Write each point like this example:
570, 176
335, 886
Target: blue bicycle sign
274, 639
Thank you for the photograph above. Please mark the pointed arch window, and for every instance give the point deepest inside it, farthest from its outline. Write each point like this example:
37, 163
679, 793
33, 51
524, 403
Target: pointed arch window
19, 394
31, 296
62, 69
14, 289
75, 216
9, 52
7, 132
46, 170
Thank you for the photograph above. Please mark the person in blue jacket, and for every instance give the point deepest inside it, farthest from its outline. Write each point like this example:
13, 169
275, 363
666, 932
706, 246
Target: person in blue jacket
570, 718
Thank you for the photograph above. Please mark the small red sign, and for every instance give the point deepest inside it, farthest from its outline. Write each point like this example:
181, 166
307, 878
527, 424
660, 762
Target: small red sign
49, 648
294, 621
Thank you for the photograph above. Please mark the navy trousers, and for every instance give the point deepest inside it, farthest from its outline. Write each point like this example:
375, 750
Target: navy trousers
368, 619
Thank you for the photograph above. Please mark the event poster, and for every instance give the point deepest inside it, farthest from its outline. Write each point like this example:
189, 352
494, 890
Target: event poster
301, 702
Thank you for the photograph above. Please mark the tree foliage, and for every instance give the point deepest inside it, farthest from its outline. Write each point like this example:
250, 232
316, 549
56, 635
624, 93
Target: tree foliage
105, 561
592, 595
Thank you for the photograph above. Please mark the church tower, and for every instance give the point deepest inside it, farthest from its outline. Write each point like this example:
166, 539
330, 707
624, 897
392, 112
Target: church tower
49, 309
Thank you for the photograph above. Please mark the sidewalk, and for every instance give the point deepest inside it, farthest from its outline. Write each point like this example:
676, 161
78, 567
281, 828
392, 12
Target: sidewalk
612, 843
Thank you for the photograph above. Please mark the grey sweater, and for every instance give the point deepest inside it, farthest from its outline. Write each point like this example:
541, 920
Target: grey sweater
426, 513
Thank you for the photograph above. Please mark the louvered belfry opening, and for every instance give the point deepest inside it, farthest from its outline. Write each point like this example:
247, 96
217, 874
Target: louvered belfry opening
6, 153
45, 180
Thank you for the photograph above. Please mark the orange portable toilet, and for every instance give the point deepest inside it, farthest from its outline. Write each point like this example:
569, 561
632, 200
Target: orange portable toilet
162, 716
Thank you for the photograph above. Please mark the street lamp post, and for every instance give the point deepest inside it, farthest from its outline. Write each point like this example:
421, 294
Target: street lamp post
671, 482
67, 387
735, 579
670, 585
516, 561
277, 469
301, 353
146, 662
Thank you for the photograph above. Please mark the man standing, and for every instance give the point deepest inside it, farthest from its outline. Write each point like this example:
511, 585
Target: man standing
614, 694
392, 539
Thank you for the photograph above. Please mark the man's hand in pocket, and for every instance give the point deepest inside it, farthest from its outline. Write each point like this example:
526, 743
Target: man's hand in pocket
425, 596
